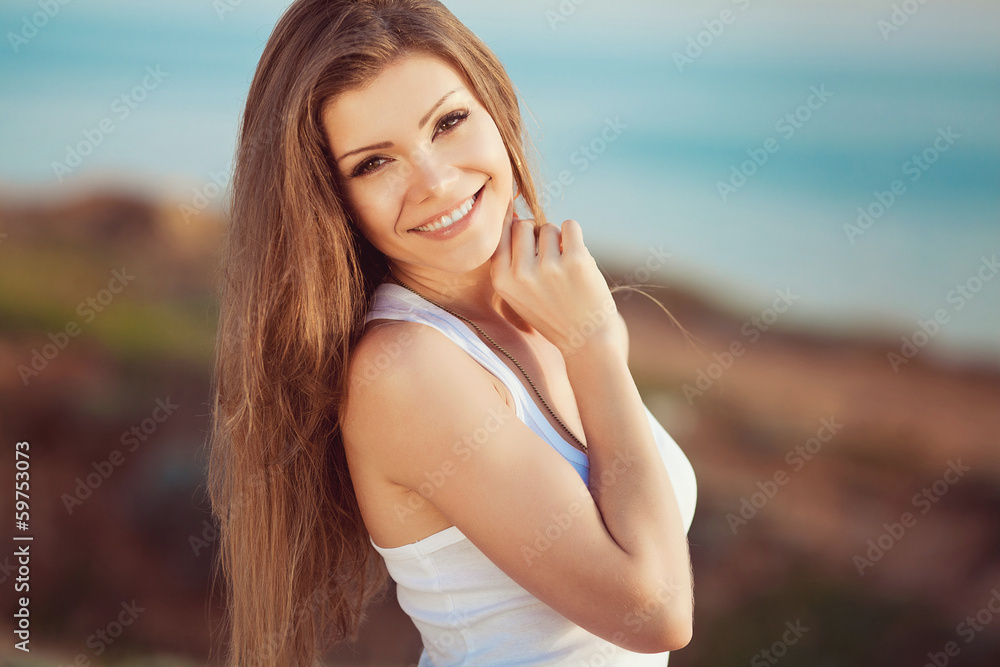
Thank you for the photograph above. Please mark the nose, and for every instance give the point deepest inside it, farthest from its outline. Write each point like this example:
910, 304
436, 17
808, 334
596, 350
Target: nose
433, 175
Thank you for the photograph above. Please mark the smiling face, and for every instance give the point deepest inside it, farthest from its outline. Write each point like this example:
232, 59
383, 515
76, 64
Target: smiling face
423, 166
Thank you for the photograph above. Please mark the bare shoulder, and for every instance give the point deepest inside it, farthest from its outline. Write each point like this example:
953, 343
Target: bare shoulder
393, 371
383, 348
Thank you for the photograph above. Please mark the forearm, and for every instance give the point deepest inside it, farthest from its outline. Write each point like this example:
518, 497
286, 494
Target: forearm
628, 480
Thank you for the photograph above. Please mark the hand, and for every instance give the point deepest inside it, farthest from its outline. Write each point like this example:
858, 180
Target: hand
558, 289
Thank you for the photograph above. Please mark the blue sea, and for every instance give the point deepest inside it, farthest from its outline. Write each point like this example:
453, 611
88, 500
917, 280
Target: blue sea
846, 153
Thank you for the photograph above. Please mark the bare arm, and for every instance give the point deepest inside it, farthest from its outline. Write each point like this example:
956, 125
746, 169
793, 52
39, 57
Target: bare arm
629, 482
554, 283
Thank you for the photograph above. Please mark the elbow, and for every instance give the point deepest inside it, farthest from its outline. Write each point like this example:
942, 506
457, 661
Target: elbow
663, 620
670, 634
677, 635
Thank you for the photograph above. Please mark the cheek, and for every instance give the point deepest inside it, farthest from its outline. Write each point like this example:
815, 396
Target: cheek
373, 211
491, 150
366, 203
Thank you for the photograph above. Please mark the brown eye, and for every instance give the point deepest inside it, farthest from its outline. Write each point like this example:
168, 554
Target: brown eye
369, 166
452, 120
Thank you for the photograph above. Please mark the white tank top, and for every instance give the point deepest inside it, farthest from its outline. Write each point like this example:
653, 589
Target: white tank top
468, 611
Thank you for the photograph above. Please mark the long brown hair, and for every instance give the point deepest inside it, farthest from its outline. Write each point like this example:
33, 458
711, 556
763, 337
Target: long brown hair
295, 282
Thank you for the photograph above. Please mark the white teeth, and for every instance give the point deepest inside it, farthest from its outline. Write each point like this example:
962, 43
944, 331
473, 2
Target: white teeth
451, 218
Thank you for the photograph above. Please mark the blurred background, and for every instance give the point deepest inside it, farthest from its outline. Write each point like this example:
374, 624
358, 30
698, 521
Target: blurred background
813, 188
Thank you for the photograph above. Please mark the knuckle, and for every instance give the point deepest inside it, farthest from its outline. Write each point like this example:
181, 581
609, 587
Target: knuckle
580, 260
548, 268
500, 275
520, 273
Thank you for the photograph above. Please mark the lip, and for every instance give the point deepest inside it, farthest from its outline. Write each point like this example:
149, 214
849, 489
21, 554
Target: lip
448, 232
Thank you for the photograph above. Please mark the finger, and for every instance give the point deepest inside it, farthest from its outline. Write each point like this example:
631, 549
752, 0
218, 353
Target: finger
572, 237
548, 243
502, 255
523, 246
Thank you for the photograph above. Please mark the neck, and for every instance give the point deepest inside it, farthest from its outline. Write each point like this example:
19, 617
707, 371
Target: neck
469, 294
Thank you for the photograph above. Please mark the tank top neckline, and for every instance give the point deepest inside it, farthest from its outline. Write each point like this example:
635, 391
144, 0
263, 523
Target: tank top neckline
552, 435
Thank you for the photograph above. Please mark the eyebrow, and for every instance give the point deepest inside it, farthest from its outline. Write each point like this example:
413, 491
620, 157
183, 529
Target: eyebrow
389, 144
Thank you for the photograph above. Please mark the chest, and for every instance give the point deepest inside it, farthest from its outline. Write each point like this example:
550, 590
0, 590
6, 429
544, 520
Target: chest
548, 387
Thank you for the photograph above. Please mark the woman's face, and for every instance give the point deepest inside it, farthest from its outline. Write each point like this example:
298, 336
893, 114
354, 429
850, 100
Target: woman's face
424, 167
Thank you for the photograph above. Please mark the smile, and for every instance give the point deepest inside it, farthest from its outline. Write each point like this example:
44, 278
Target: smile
450, 219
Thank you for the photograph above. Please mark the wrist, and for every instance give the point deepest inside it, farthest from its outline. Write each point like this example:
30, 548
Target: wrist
604, 342
602, 330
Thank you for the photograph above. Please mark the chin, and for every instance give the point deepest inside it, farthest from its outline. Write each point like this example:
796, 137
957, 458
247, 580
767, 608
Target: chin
482, 242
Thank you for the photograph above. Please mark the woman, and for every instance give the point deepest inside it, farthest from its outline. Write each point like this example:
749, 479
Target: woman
412, 380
